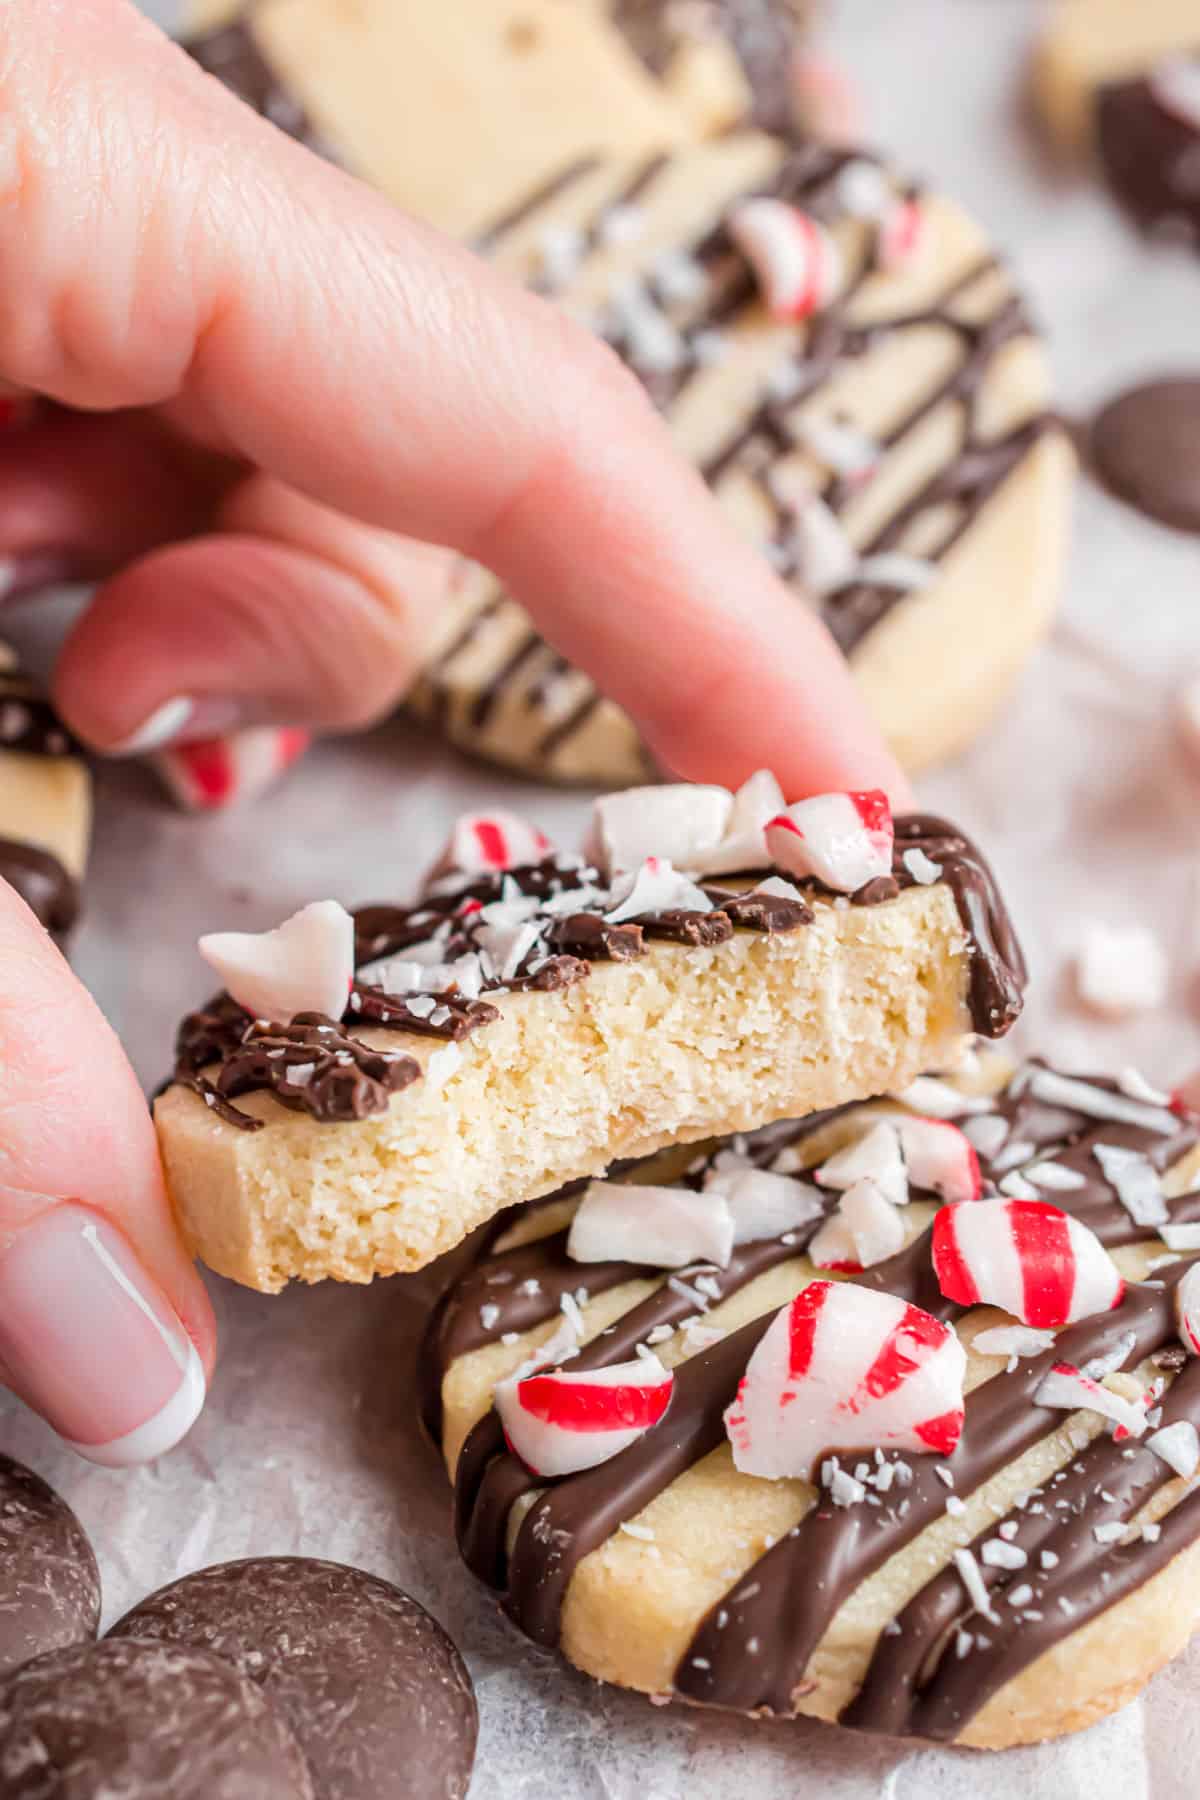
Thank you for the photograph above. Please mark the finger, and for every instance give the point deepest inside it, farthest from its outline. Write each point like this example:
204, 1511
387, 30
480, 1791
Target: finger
81, 494
408, 385
292, 615
105, 1328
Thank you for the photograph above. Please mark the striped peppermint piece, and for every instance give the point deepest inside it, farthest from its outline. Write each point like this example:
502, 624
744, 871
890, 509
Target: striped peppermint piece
1187, 1310
843, 840
664, 1227
1027, 1256
846, 1368
940, 1157
304, 965
486, 843
563, 1421
796, 263
1066, 1388
215, 773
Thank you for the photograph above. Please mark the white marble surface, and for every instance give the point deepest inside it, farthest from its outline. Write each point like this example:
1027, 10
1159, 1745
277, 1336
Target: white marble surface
1081, 794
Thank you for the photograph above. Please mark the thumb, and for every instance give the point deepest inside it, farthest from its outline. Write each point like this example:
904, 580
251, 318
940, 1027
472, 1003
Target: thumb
105, 1328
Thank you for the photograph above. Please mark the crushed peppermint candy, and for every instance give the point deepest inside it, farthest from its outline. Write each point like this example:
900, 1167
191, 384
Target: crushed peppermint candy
1135, 1181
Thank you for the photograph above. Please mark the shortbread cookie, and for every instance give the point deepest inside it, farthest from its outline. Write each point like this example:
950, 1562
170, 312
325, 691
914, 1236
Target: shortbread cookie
45, 803
531, 1017
848, 362
454, 110
792, 1491
1125, 81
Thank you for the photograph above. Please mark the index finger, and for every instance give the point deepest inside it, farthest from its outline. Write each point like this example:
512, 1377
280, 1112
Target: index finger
297, 319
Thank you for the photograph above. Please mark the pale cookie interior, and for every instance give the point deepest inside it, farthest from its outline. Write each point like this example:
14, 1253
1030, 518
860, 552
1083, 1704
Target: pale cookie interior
634, 1604
679, 1045
1087, 43
46, 801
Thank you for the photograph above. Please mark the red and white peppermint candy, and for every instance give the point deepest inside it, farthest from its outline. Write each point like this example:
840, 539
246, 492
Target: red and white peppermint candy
1187, 1309
488, 843
559, 1423
844, 840
1067, 1389
903, 233
796, 263
744, 845
664, 1227
678, 823
304, 965
1027, 1256
940, 1157
845, 1367
877, 1157
214, 773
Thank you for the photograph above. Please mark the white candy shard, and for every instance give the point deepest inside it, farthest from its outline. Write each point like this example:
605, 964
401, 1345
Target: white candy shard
937, 1099
1132, 1082
1056, 1177
1098, 1103
1181, 1237
304, 965
655, 888
679, 824
1027, 1256
664, 1227
940, 1157
841, 447
559, 1423
825, 554
763, 1204
876, 1156
1012, 1340
795, 261
1179, 1447
744, 845
845, 1367
486, 843
1187, 1309
987, 1133
843, 840
866, 1224
1136, 1182
922, 868
1067, 1389
1120, 969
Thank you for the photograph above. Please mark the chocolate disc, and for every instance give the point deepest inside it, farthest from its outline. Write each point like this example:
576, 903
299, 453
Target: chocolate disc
49, 1582
376, 1693
1146, 448
132, 1719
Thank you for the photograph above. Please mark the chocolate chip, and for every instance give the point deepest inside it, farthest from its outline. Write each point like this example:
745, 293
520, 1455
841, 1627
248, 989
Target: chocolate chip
375, 1691
49, 1583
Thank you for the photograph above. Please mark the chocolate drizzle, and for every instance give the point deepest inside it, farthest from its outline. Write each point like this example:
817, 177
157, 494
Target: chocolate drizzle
762, 34
29, 726
752, 1650
341, 1078
1151, 153
28, 721
48, 889
528, 674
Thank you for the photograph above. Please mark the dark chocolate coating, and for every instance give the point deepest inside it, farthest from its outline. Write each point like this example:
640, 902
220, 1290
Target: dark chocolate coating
762, 34
1151, 155
1145, 447
49, 1582
376, 1693
138, 1721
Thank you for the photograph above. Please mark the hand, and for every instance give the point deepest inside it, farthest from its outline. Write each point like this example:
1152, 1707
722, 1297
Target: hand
273, 395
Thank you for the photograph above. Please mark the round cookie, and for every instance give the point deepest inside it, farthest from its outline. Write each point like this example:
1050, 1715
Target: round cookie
1145, 446
1125, 81
377, 1695
140, 1719
892, 452
49, 1582
1020, 1586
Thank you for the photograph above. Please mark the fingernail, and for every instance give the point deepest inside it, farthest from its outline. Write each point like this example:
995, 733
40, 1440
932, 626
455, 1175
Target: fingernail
92, 1343
182, 720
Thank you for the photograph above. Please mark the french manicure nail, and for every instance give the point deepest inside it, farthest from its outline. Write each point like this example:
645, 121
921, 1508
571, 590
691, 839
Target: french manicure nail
183, 720
92, 1343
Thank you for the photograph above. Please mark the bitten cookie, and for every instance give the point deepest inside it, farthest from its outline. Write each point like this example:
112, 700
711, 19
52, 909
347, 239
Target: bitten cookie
848, 362
45, 802
368, 1092
1124, 81
886, 1417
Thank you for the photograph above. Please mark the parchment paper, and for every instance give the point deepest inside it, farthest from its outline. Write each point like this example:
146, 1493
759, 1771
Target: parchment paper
1081, 794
